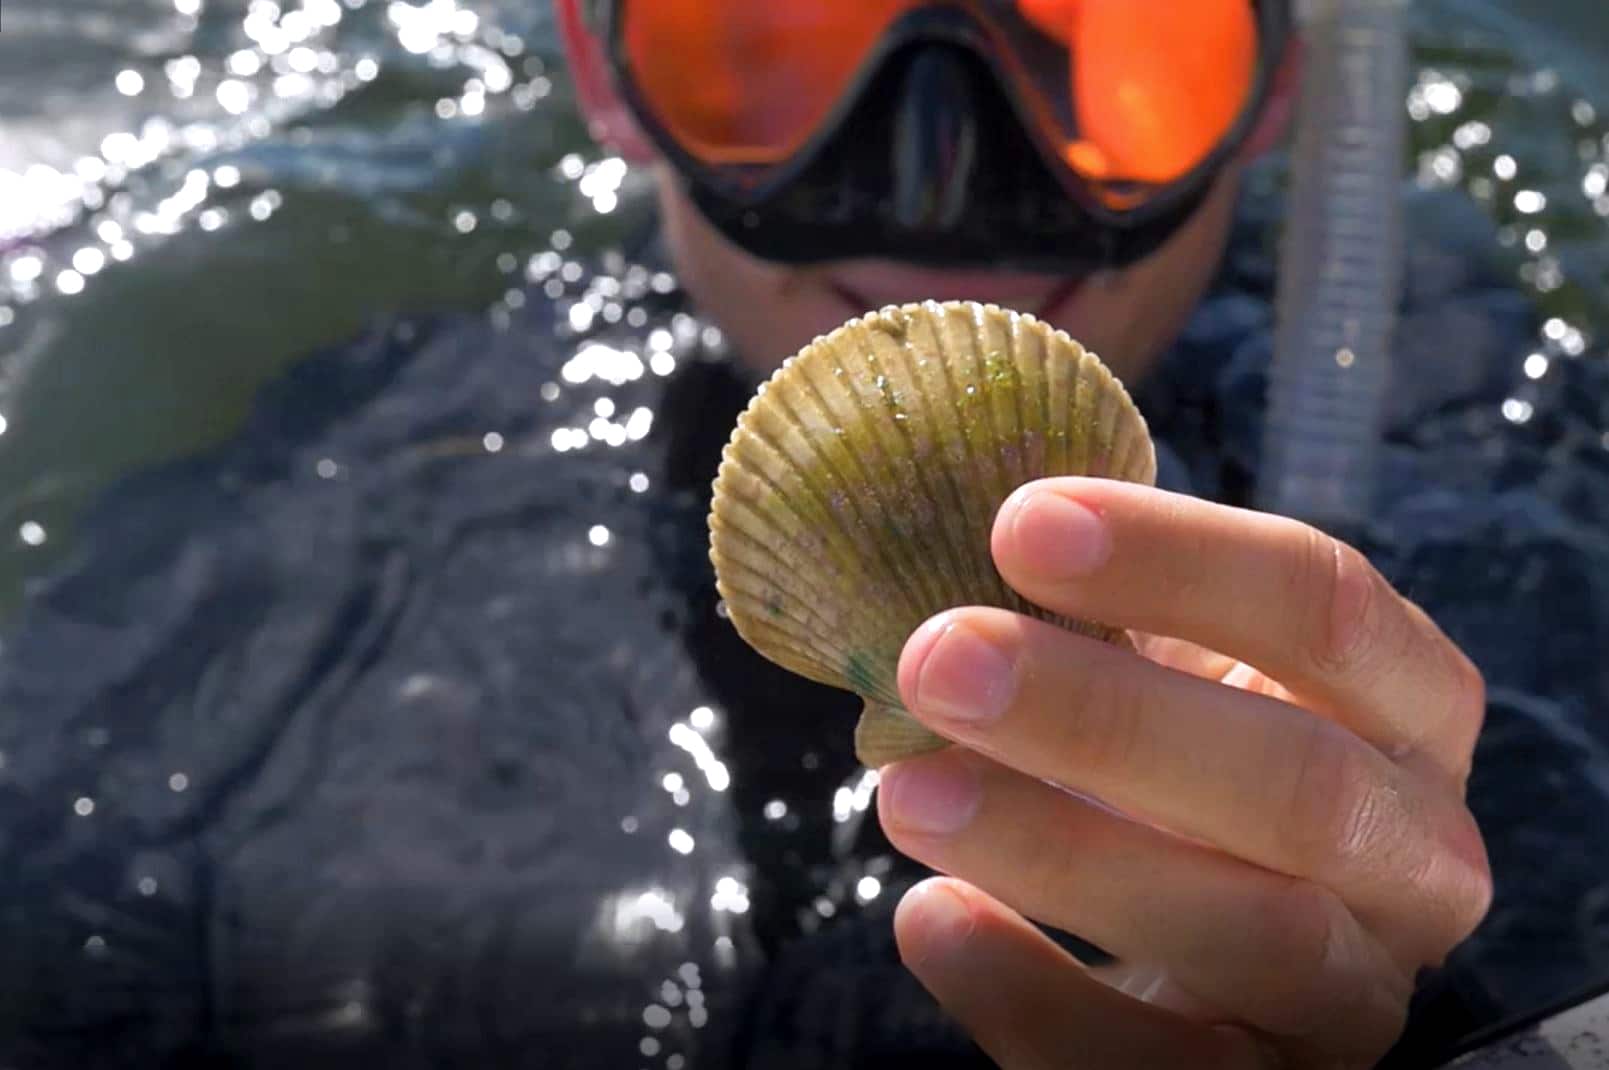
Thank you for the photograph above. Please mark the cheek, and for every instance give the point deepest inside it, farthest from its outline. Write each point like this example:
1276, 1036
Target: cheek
1129, 317
768, 311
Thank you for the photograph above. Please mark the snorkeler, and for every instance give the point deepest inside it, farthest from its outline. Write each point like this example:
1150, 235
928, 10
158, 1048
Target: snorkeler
1290, 754
405, 727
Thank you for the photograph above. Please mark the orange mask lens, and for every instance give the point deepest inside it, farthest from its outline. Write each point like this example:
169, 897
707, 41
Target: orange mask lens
1155, 91
748, 81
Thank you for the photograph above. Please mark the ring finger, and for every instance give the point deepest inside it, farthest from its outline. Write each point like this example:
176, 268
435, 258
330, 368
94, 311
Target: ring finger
1272, 950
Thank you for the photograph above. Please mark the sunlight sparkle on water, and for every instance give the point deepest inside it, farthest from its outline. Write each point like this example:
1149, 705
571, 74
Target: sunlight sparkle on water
88, 260
1517, 411
26, 269
730, 895
234, 96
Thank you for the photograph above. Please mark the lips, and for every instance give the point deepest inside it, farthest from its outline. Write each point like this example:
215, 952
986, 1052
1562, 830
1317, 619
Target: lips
874, 286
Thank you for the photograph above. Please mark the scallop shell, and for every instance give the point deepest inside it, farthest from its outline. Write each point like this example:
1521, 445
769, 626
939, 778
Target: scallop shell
857, 493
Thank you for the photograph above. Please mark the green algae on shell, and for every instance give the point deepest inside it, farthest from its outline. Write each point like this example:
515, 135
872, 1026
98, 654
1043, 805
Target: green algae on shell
856, 495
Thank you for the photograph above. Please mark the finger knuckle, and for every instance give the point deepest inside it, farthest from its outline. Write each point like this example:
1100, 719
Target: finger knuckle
1332, 809
1298, 919
1479, 903
1341, 586
1468, 710
1108, 726
1328, 987
1471, 903
1451, 725
1464, 892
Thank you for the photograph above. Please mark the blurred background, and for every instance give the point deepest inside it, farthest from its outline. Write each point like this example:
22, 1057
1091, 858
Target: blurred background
195, 194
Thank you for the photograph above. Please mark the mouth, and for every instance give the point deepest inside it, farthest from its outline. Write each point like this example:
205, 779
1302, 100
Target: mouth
1042, 297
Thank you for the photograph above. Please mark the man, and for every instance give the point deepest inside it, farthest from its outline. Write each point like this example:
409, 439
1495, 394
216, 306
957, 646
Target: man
405, 728
1297, 739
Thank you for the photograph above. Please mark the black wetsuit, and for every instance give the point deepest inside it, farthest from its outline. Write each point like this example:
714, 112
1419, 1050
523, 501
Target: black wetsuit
368, 737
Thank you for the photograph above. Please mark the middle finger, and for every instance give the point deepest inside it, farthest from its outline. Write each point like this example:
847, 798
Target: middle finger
1258, 778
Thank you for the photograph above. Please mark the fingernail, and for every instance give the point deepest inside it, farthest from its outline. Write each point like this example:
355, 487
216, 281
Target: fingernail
963, 677
943, 922
1058, 537
934, 796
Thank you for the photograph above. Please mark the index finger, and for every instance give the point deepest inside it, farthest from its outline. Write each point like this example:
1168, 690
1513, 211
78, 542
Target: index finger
1286, 598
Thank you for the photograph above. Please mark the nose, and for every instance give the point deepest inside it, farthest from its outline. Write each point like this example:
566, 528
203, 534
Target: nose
935, 144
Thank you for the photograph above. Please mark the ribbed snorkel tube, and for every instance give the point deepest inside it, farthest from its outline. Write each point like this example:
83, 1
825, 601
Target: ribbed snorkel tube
1340, 266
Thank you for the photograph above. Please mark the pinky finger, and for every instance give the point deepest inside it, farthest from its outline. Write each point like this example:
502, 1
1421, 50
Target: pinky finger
1031, 1005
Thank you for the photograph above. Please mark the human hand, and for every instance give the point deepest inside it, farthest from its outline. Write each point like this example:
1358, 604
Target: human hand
1288, 748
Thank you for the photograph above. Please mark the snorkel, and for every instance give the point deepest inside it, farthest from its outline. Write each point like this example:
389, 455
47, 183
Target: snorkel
1340, 267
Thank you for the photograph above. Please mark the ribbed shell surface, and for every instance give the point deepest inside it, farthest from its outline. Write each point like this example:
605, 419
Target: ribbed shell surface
856, 495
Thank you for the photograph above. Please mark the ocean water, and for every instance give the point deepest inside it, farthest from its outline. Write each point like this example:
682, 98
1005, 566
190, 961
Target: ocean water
308, 167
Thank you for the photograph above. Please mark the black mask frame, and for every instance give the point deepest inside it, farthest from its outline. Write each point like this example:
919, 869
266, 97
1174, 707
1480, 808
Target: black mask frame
951, 175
